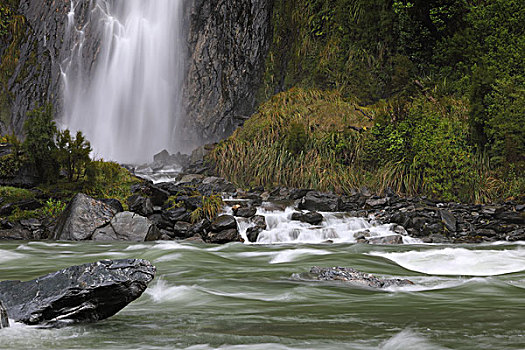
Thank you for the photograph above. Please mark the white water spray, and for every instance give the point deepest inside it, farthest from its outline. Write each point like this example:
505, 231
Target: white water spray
129, 101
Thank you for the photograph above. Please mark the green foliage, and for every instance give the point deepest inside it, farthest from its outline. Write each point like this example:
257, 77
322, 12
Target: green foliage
73, 153
53, 208
108, 180
13, 194
39, 145
211, 207
9, 166
295, 138
300, 138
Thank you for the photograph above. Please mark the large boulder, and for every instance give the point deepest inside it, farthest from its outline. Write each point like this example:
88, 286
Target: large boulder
84, 293
317, 201
127, 226
82, 216
354, 277
4, 320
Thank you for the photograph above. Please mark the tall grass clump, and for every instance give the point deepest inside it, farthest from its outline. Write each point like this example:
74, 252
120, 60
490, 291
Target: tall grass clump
299, 138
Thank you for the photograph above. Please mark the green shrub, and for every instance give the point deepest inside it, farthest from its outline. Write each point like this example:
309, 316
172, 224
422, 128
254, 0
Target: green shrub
39, 145
14, 194
211, 207
53, 208
73, 153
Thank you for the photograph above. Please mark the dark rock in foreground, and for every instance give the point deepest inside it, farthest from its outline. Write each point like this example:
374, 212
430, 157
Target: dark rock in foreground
84, 293
4, 320
352, 276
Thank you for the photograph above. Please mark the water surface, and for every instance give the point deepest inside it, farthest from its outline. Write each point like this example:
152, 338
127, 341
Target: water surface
247, 297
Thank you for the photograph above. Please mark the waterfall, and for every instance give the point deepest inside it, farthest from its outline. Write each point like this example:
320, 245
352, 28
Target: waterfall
124, 91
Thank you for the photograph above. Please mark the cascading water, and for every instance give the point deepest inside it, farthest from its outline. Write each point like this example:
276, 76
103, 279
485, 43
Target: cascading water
127, 97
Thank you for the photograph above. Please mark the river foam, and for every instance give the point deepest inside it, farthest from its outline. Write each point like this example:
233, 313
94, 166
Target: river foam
459, 261
335, 228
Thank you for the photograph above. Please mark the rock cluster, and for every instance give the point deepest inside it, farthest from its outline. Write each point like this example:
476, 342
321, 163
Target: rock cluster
354, 277
84, 293
166, 211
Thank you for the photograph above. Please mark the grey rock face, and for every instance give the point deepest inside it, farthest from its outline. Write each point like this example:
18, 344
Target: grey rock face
229, 41
37, 77
82, 216
127, 226
84, 293
4, 320
352, 276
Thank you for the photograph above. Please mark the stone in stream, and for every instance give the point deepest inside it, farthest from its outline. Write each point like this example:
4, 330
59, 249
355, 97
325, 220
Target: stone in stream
4, 320
312, 218
352, 276
85, 293
386, 240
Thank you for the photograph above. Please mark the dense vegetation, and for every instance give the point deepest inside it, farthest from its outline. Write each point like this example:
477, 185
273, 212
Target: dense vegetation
442, 80
62, 165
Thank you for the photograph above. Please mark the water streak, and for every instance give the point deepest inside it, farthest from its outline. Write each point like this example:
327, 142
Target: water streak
128, 102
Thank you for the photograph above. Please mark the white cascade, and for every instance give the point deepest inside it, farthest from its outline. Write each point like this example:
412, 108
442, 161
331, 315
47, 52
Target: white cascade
127, 102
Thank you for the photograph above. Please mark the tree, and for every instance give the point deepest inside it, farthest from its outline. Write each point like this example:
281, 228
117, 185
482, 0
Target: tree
73, 153
39, 145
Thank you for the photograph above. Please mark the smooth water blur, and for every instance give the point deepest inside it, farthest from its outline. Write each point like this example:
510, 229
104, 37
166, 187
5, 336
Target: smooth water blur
127, 101
247, 297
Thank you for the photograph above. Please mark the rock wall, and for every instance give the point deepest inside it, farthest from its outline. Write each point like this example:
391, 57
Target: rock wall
228, 41
227, 46
36, 79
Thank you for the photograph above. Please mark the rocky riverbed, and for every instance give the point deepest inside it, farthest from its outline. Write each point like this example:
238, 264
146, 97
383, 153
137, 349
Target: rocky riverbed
164, 212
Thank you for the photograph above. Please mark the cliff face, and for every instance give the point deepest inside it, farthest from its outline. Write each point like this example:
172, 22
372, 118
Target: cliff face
228, 43
227, 46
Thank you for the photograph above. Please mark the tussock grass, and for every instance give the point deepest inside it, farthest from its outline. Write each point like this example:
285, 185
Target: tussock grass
299, 138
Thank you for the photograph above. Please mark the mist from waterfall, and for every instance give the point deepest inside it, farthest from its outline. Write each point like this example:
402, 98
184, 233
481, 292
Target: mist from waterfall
128, 99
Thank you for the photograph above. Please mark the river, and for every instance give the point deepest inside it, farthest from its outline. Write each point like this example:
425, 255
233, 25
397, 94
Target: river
240, 296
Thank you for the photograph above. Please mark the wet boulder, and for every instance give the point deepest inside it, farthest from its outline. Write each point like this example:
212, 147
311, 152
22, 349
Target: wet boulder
85, 293
312, 218
4, 319
223, 237
317, 201
176, 214
223, 230
354, 277
259, 222
223, 222
140, 205
244, 212
127, 226
82, 216
182, 229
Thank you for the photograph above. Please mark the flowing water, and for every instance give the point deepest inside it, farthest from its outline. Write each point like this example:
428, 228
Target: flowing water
128, 100
241, 296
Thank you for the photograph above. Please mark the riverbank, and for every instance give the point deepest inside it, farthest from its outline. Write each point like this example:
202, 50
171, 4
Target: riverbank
211, 209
